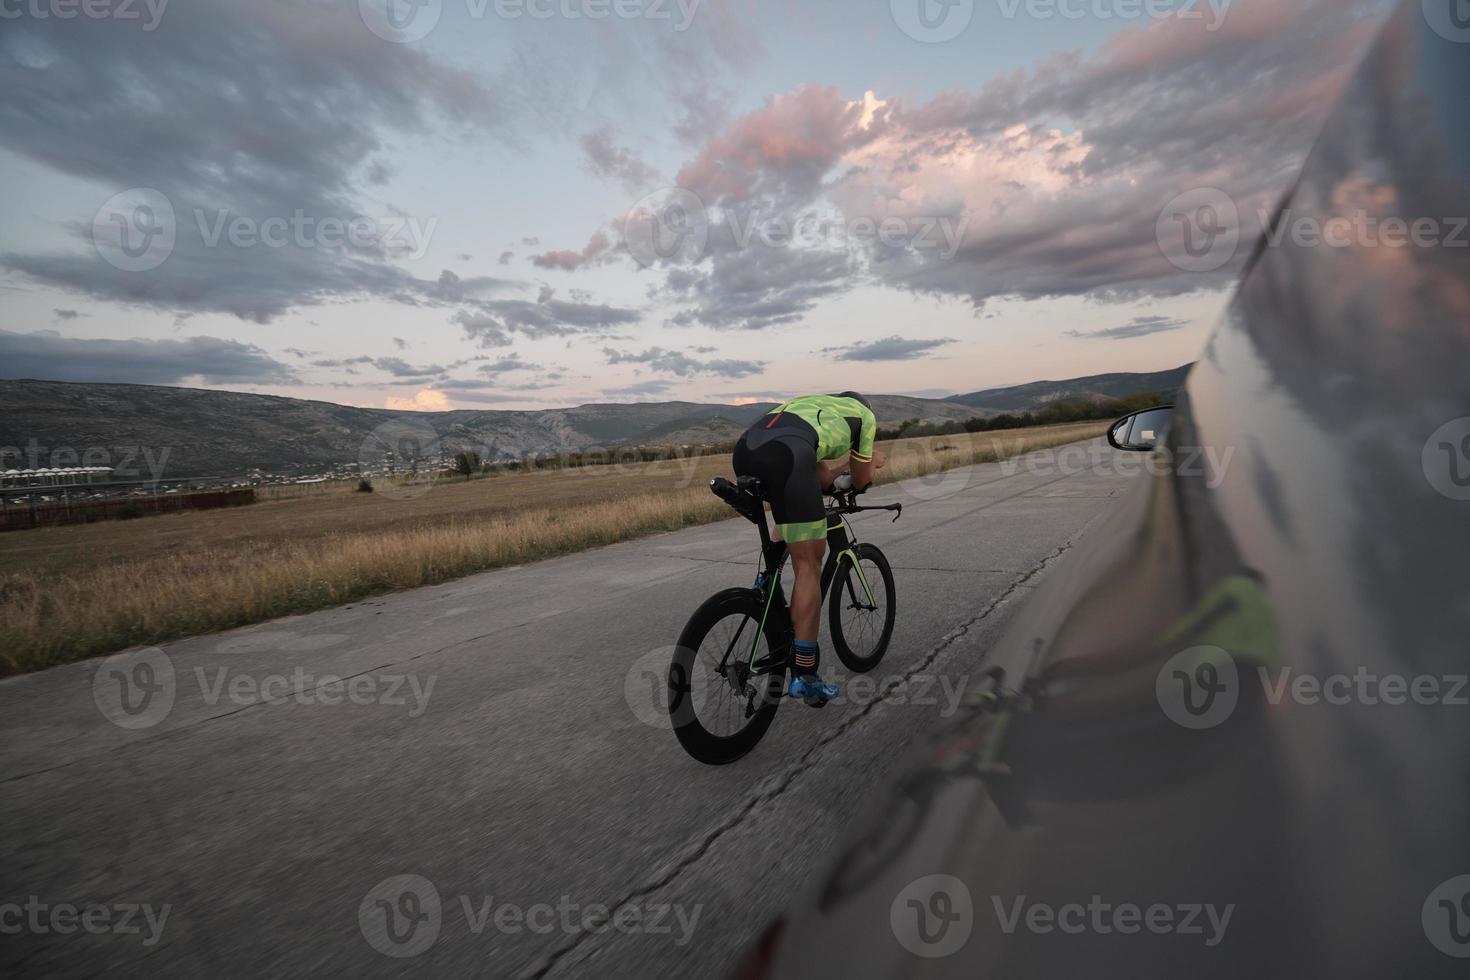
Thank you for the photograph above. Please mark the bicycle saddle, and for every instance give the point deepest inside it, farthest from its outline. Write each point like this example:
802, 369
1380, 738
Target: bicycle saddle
745, 501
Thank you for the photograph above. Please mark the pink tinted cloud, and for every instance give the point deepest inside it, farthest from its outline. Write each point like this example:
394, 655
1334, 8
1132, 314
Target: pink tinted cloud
795, 137
569, 260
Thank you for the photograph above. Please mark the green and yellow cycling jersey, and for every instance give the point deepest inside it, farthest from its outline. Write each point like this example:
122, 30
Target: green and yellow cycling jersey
844, 423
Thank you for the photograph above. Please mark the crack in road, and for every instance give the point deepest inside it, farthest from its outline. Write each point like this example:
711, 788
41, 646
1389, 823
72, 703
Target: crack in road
773, 788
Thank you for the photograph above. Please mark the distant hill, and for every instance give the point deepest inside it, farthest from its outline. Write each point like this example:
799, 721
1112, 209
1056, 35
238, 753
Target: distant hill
224, 433
1098, 387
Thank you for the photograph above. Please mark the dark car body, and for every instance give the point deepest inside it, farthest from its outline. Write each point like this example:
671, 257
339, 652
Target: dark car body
1153, 744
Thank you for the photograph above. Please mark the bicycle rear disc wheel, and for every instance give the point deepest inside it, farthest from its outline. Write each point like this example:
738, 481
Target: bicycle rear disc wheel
861, 619
720, 717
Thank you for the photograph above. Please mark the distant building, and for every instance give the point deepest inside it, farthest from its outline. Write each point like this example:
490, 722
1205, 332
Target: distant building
59, 477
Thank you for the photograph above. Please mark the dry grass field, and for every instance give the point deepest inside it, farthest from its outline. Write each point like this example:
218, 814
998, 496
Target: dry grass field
67, 593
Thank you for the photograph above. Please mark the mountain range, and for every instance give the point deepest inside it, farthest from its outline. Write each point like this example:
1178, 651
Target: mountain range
219, 433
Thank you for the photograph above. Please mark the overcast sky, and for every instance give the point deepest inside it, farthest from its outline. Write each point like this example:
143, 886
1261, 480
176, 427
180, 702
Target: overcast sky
532, 203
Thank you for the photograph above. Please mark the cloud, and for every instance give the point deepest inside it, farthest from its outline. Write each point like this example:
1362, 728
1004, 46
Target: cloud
511, 362
427, 400
1041, 183
894, 348
682, 365
597, 245
753, 288
400, 343
49, 356
651, 387
608, 160
1139, 326
321, 96
67, 314
491, 323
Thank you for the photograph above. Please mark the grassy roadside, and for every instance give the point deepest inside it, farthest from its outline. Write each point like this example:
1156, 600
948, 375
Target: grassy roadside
95, 589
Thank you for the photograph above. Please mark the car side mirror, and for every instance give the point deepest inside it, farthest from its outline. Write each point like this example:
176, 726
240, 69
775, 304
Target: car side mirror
1141, 431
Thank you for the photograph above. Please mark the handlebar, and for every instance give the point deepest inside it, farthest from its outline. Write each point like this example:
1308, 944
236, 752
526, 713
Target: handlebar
846, 503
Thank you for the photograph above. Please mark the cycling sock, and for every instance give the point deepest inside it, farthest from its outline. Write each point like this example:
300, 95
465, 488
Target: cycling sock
807, 657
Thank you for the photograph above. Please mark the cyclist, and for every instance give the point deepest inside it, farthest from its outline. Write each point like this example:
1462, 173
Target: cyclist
796, 452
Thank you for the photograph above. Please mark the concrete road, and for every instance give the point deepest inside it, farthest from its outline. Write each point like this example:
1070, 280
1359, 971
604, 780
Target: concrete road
467, 779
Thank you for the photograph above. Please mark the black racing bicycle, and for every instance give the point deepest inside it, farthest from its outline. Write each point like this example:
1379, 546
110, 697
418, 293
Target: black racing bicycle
729, 670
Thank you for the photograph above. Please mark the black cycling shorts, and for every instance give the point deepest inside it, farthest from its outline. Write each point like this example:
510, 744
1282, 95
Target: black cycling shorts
783, 456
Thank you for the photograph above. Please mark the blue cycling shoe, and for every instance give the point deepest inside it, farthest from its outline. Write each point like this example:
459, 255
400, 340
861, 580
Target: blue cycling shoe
812, 689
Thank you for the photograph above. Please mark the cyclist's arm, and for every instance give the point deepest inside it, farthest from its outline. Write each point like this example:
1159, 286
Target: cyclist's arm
863, 463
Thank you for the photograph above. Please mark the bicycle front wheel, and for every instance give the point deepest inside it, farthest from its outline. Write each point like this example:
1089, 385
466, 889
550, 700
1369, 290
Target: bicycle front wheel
861, 609
719, 708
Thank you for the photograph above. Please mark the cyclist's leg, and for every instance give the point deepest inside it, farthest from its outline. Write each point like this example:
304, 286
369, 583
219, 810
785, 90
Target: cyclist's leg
803, 521
806, 593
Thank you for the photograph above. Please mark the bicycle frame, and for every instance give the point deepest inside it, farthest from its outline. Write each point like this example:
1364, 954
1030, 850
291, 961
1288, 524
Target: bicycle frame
841, 546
